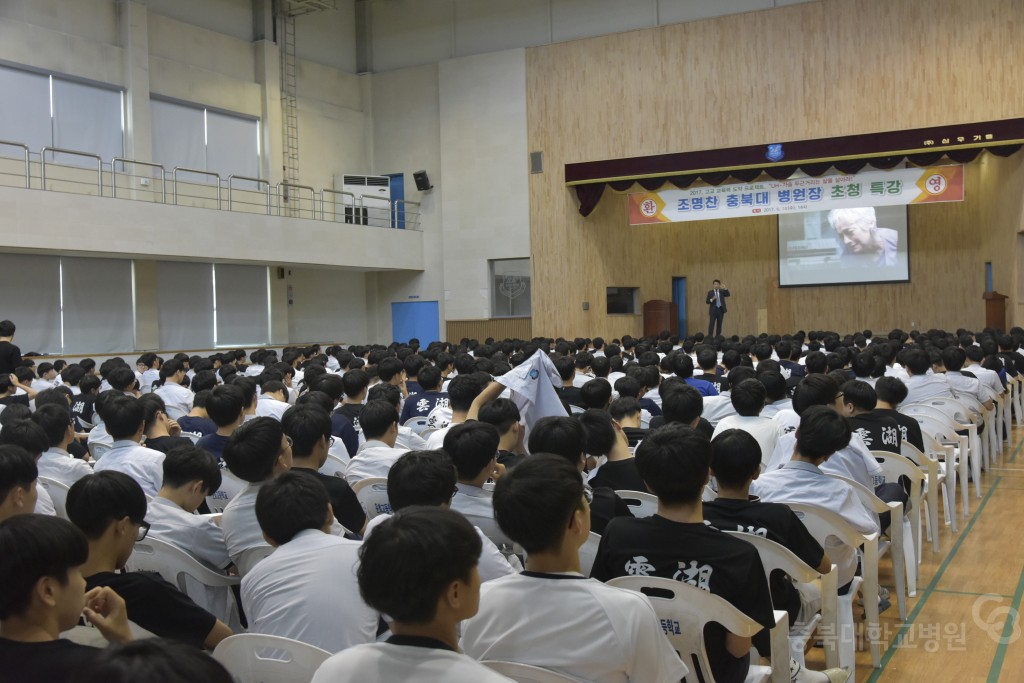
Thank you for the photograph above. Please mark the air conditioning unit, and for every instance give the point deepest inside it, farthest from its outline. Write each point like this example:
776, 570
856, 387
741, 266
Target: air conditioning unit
372, 199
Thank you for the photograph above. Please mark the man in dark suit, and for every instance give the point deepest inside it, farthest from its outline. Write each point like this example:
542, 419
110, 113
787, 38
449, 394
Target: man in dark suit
716, 307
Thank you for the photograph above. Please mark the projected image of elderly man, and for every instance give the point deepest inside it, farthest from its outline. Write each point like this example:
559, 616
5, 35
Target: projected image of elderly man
864, 243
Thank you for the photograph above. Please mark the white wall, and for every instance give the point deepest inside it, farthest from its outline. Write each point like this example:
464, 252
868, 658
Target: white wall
327, 305
484, 163
412, 32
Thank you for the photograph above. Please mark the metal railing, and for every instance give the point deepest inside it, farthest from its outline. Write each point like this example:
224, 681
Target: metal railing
337, 206
73, 152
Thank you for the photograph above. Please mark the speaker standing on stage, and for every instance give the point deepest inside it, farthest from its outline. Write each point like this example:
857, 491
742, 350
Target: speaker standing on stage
716, 307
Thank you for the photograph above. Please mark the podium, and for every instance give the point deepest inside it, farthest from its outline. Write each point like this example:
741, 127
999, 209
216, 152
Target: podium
995, 309
659, 315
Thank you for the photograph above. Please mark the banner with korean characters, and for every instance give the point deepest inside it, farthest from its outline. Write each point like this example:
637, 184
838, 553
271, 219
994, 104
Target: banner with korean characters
768, 197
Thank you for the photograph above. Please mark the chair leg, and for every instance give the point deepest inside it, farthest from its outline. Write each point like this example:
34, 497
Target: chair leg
869, 594
912, 535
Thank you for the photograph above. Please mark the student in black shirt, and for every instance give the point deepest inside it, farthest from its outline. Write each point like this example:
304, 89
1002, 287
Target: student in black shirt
327, 390
225, 406
605, 438
354, 384
421, 403
10, 355
198, 420
83, 405
880, 431
682, 404
891, 391
110, 509
9, 384
504, 415
626, 412
707, 360
160, 430
42, 593
309, 427
735, 462
145, 660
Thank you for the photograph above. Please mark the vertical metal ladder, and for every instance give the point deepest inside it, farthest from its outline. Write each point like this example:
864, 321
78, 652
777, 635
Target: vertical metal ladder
289, 110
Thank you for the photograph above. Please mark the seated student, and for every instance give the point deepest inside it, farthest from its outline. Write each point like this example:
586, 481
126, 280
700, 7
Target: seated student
148, 366
46, 377
473, 448
42, 594
257, 452
273, 400
922, 384
735, 463
822, 432
597, 393
83, 407
675, 543
169, 387
577, 627
462, 391
581, 365
420, 569
505, 416
125, 419
110, 509
121, 378
683, 404
878, 431
30, 437
568, 392
707, 360
309, 428
626, 412
953, 359
198, 419
776, 393
748, 399
891, 392
331, 388
421, 403
413, 364
429, 478
56, 462
306, 589
18, 482
564, 436
989, 378
161, 431
407, 438
226, 407
355, 384
682, 364
153, 659
604, 438
379, 422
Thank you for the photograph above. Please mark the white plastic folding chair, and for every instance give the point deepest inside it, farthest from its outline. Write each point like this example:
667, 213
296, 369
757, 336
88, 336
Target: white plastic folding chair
58, 491
685, 610
895, 547
373, 496
824, 524
191, 436
491, 530
257, 658
588, 553
417, 424
775, 557
97, 450
230, 486
334, 467
250, 557
937, 434
524, 673
641, 504
896, 466
935, 478
953, 415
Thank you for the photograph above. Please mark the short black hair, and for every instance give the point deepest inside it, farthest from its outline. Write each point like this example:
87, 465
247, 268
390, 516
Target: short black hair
31, 547
55, 396
17, 469
596, 393
917, 361
534, 502
253, 449
121, 378
410, 560
385, 392
814, 390
860, 394
305, 425
822, 432
429, 378
748, 397
735, 457
953, 358
124, 416
26, 434
389, 368
186, 464
624, 407
683, 405
225, 404
294, 502
559, 435
376, 418
892, 390
151, 405
95, 502
354, 382
628, 386
203, 380
330, 384
7, 328
598, 430
501, 412
421, 478
673, 461
774, 384
472, 446
462, 390
54, 422
682, 365
158, 660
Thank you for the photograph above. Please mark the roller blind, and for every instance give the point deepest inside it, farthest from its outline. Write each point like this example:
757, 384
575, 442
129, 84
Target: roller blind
98, 305
24, 110
31, 299
89, 119
179, 135
243, 317
185, 305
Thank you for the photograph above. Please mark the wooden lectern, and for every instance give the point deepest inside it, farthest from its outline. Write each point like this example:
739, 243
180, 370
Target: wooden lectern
995, 309
659, 315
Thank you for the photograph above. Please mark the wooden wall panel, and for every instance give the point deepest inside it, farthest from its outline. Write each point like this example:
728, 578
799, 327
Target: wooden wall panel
829, 68
499, 328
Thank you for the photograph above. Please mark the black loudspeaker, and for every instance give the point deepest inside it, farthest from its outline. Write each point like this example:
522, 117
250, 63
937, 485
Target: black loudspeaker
422, 181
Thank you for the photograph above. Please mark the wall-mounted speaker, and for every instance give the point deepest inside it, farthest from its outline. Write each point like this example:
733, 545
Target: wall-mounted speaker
422, 181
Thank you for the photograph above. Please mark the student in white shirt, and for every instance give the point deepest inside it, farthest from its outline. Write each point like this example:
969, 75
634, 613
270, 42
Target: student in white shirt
748, 399
148, 366
29, 436
46, 377
374, 458
18, 482
473, 447
125, 417
551, 615
462, 390
922, 384
429, 478
407, 438
273, 400
177, 398
420, 569
257, 452
953, 359
775, 388
988, 377
306, 590
56, 463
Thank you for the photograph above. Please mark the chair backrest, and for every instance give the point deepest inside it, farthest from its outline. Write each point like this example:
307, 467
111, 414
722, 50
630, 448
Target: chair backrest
524, 673
58, 491
97, 450
250, 557
588, 553
867, 496
935, 428
257, 658
417, 424
577, 410
775, 556
192, 436
895, 466
230, 486
641, 504
174, 564
684, 611
373, 496
941, 409
491, 530
334, 467
822, 524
